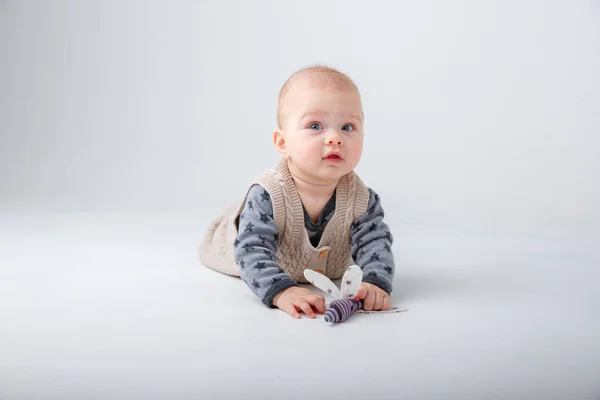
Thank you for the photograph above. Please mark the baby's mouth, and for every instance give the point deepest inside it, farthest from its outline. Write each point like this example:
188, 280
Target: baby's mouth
334, 157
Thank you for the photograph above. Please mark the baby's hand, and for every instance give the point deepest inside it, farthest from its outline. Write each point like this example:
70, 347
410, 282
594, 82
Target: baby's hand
296, 299
375, 298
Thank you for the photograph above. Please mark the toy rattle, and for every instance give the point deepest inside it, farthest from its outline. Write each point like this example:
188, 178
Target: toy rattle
343, 306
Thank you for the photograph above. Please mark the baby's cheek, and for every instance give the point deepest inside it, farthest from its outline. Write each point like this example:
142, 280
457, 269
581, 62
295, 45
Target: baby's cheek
354, 151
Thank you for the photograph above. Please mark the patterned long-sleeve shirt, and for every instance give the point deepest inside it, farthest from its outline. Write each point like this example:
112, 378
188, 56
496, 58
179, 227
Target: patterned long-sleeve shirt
256, 244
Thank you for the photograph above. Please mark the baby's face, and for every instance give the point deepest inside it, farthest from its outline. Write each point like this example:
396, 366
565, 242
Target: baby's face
323, 131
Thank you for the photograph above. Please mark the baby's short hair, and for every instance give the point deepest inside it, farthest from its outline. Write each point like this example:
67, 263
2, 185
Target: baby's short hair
324, 75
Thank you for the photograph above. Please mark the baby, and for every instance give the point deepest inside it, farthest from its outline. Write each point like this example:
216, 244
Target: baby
311, 210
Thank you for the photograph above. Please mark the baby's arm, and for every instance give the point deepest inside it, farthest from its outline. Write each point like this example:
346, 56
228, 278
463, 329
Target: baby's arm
372, 246
256, 245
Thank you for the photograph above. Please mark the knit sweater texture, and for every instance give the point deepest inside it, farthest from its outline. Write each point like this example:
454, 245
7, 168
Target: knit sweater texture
268, 239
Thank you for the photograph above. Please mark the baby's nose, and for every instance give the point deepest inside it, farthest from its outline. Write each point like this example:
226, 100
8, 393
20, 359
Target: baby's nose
333, 138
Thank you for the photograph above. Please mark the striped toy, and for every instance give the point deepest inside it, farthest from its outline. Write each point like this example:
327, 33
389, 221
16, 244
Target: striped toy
343, 305
341, 310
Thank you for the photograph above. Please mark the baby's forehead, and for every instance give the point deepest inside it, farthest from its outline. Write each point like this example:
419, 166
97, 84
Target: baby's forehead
313, 79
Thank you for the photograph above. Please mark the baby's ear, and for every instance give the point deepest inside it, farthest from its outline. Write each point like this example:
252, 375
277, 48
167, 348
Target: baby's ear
279, 142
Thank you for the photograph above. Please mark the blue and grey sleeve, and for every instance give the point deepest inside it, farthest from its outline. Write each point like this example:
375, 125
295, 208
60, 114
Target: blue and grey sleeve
256, 245
372, 245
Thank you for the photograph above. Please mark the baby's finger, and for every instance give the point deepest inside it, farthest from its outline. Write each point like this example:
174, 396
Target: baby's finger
361, 293
378, 301
317, 302
291, 309
386, 302
369, 301
306, 308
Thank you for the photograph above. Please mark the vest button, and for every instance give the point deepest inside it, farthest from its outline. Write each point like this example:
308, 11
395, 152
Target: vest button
323, 253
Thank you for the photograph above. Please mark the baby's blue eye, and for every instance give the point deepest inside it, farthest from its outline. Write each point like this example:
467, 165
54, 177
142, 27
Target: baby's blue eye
347, 127
315, 127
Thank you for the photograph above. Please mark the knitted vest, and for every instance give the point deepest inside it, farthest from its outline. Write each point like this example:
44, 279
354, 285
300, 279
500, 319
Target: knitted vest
295, 253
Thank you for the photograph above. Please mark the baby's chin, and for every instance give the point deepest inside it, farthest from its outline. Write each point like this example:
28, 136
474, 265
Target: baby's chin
333, 172
324, 172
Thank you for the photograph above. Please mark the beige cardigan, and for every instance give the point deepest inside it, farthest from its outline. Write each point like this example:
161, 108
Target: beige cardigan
295, 253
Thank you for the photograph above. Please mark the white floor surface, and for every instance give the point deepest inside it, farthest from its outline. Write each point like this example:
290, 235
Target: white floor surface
116, 306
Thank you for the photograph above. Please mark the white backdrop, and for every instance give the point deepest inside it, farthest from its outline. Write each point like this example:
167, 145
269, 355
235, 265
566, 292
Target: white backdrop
477, 113
126, 125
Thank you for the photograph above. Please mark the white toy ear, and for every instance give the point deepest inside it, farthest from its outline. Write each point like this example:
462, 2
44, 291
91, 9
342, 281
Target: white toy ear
322, 282
351, 282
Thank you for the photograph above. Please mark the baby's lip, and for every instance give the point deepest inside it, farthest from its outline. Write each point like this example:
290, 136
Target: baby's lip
334, 154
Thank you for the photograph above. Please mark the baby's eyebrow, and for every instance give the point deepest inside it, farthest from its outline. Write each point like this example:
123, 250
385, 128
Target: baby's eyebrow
325, 113
354, 116
317, 112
